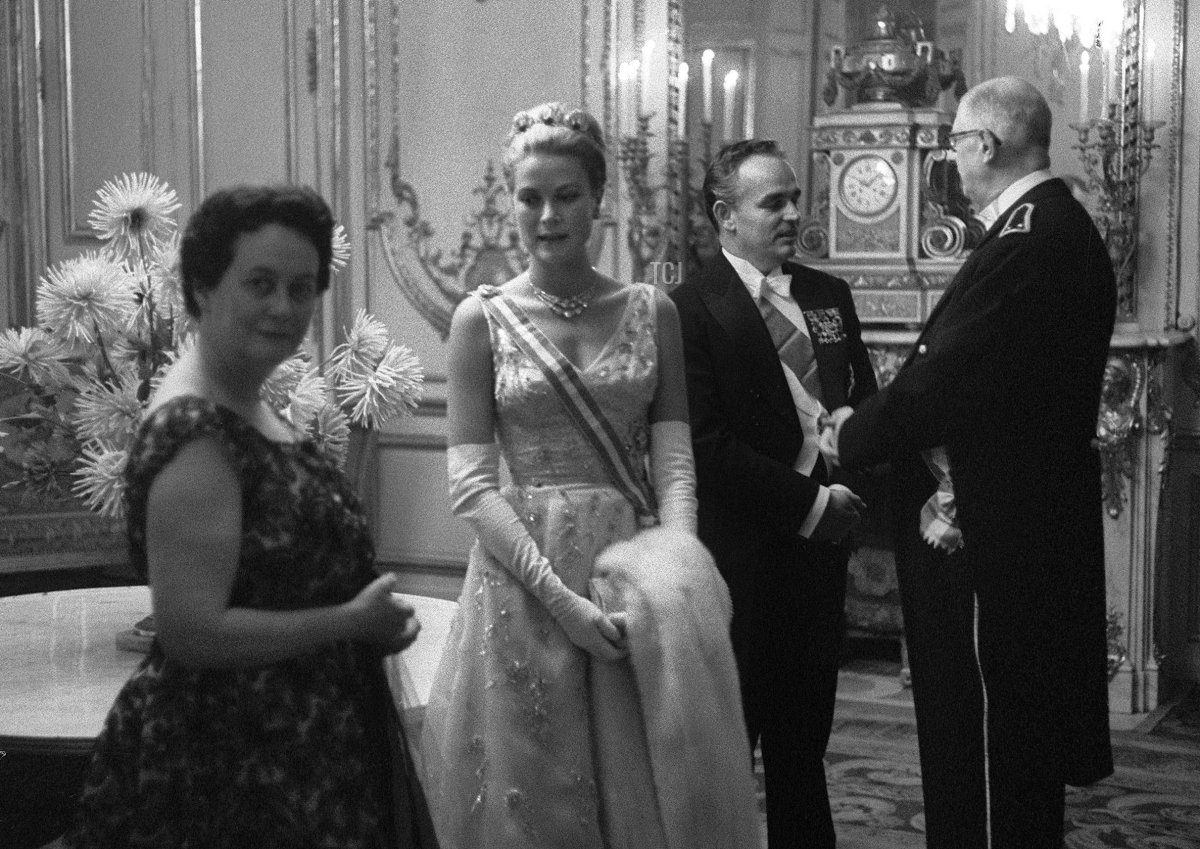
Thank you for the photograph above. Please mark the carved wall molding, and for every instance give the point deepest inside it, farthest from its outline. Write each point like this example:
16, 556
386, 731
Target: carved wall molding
898, 135
1118, 424
1133, 406
892, 278
1172, 314
892, 307
489, 250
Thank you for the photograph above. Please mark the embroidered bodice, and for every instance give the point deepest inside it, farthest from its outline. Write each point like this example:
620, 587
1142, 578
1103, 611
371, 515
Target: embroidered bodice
540, 443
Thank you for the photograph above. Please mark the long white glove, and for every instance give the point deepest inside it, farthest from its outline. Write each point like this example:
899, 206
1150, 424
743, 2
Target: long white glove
474, 472
673, 472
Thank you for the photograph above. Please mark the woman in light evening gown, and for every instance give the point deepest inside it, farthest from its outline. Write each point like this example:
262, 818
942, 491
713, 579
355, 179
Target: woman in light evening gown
587, 695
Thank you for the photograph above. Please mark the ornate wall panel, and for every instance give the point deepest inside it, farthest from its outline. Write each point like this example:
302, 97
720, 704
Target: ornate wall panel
438, 86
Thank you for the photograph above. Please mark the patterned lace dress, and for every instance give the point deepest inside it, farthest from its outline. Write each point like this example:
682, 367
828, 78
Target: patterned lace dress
508, 744
297, 753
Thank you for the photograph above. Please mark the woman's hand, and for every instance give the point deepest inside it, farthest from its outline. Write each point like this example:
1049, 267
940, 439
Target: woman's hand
384, 619
593, 630
620, 622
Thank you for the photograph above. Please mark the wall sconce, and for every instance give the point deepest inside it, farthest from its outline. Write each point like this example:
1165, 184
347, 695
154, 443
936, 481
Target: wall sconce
1115, 152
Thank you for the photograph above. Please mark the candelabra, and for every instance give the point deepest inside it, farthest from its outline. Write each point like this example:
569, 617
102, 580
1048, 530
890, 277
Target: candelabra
1116, 151
645, 233
658, 222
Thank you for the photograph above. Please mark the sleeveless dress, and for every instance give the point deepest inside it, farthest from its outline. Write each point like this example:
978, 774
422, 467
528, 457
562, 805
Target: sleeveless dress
530, 742
302, 752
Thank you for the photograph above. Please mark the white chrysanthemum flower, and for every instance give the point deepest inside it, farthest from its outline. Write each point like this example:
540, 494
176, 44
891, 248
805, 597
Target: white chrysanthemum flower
33, 356
340, 256
165, 280
307, 397
165, 253
106, 413
277, 388
100, 479
81, 297
391, 390
366, 341
331, 430
133, 210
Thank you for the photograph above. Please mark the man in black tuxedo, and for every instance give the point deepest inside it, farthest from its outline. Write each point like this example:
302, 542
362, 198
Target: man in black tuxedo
1000, 545
765, 359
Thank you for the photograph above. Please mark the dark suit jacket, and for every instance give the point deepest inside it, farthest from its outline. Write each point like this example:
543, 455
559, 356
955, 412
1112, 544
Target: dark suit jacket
745, 429
1007, 376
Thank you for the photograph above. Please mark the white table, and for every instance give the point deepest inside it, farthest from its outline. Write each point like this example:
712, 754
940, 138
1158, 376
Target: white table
60, 669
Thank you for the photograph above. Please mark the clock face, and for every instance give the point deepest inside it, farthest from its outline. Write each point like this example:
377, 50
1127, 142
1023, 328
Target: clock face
868, 185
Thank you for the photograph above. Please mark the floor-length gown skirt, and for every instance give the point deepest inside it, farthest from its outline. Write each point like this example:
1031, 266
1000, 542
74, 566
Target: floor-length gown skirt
508, 742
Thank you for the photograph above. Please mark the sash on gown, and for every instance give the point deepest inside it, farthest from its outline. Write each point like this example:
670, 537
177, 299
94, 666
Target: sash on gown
693, 757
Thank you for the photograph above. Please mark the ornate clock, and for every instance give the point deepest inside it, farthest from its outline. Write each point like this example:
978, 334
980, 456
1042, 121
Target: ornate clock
868, 186
885, 214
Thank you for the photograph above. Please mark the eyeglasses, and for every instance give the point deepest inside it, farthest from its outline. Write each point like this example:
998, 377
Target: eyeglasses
953, 139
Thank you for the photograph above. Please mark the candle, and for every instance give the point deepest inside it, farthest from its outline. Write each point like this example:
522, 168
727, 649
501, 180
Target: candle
728, 107
643, 80
682, 82
706, 60
633, 77
1084, 66
623, 98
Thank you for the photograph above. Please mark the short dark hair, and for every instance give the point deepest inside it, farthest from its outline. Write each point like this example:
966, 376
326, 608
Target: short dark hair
720, 180
207, 246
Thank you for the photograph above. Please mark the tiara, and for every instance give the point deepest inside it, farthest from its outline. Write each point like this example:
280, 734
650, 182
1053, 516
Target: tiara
575, 120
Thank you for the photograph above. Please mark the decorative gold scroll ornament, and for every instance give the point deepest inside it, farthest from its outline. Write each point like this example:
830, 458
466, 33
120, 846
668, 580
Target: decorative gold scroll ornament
489, 250
1120, 420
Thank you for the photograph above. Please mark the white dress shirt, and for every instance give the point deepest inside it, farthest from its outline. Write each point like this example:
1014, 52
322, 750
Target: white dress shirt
808, 409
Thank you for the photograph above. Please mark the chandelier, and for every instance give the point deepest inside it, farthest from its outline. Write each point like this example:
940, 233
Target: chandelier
1093, 23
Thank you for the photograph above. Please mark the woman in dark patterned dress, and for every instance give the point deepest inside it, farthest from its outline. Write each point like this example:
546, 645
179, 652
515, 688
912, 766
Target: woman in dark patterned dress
261, 716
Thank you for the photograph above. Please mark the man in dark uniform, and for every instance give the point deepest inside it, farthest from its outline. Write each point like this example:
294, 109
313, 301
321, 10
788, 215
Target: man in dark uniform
769, 347
1000, 545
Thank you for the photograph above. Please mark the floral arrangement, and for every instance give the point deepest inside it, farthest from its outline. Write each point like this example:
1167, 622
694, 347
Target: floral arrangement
110, 321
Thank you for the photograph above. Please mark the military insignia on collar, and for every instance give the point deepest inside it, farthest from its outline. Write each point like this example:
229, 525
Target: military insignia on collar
1020, 221
825, 326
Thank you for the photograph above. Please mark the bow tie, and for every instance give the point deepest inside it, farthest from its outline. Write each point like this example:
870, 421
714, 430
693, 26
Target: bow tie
780, 284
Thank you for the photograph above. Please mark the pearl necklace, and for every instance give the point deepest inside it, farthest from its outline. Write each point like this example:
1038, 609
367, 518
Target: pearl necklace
570, 307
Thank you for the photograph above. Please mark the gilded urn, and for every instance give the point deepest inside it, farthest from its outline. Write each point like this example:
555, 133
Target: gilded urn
895, 64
